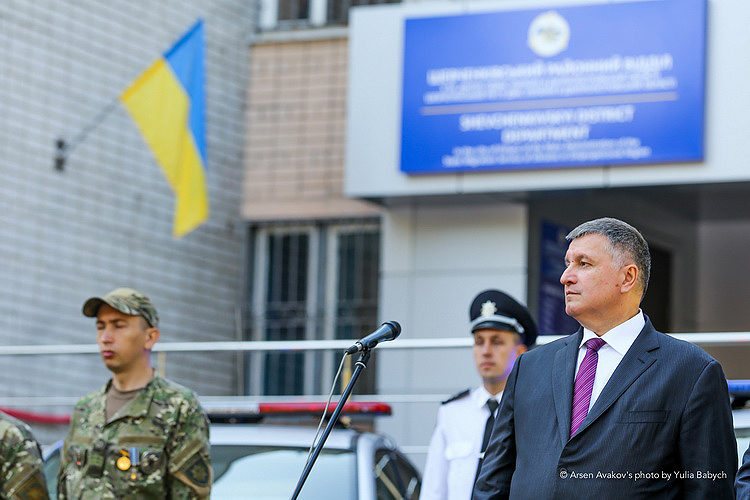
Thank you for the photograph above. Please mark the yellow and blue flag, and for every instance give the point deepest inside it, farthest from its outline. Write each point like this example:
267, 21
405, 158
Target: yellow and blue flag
167, 103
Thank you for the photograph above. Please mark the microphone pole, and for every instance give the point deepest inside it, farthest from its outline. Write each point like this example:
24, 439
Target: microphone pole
360, 365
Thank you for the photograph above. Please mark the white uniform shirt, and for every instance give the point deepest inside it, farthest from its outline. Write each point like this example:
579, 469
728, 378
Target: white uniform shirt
453, 455
618, 341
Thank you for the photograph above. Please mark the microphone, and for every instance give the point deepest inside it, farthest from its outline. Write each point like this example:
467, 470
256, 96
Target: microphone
387, 331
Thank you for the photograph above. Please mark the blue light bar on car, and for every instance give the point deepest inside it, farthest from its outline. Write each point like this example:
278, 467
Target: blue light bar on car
739, 387
739, 392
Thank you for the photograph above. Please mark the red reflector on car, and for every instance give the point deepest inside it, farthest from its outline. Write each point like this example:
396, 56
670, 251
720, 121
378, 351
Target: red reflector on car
37, 418
312, 408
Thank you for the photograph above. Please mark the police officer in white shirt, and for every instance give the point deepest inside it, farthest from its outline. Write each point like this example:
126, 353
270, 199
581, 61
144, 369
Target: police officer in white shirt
502, 330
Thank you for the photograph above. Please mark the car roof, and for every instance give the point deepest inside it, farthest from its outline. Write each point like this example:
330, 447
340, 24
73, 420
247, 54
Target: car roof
280, 435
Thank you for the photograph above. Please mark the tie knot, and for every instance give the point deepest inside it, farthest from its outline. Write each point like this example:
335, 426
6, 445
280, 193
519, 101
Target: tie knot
492, 404
595, 344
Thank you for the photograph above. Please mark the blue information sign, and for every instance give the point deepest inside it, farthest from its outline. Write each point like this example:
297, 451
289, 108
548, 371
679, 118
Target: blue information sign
615, 83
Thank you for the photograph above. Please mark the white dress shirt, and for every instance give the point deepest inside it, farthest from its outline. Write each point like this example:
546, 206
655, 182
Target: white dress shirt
618, 341
453, 456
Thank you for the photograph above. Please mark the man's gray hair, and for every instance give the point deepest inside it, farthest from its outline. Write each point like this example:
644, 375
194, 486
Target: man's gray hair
624, 239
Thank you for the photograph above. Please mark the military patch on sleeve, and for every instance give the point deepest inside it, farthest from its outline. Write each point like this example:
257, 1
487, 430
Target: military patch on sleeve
198, 471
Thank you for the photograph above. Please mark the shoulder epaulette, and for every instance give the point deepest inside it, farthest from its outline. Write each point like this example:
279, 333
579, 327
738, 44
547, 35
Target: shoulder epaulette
457, 396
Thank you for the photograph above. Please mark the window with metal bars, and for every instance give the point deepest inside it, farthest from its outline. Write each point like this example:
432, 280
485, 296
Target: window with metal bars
317, 281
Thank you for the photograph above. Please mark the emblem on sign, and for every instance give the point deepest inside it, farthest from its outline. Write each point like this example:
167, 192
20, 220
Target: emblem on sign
549, 34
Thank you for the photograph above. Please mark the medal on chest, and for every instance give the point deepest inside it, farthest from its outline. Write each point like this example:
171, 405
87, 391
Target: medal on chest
127, 460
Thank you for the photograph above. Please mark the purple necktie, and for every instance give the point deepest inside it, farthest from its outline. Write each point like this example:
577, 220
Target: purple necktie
585, 384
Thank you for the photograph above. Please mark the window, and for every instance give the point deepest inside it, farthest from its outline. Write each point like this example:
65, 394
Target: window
395, 478
293, 11
287, 288
310, 282
289, 14
409, 476
338, 10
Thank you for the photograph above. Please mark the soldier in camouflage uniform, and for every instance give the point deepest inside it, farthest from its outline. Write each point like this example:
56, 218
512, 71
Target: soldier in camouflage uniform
21, 476
140, 436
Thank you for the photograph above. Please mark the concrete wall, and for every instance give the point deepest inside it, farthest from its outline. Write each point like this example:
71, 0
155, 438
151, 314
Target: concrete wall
435, 259
106, 219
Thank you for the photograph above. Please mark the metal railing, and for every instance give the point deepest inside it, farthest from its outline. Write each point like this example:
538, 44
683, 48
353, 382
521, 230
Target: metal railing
703, 339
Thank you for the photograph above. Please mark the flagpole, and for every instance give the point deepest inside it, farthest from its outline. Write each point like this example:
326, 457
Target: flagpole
65, 148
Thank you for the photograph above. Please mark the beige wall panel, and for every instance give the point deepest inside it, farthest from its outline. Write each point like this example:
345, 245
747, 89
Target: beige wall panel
294, 163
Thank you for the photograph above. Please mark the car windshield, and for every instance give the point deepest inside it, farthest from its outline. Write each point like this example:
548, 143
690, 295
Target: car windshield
271, 473
268, 473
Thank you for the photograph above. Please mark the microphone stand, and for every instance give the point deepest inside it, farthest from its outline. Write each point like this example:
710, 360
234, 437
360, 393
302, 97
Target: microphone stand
360, 365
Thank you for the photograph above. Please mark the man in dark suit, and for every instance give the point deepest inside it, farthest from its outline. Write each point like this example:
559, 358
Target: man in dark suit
616, 410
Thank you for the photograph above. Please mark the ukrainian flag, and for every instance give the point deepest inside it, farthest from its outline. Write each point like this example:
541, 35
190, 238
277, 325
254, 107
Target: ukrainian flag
167, 104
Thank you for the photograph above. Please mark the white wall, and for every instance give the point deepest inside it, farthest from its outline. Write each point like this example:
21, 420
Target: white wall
376, 44
436, 258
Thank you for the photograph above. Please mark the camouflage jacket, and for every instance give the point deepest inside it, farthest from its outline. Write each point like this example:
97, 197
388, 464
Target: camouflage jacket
156, 446
21, 476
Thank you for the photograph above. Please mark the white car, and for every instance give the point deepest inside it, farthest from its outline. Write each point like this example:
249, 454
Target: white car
264, 462
268, 461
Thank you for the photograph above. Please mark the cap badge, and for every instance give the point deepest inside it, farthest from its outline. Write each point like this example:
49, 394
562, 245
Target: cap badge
489, 308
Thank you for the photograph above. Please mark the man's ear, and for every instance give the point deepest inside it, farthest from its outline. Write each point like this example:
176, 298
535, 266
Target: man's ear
629, 278
152, 335
520, 349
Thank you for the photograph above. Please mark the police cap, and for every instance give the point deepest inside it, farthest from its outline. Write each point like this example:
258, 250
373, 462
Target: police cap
496, 310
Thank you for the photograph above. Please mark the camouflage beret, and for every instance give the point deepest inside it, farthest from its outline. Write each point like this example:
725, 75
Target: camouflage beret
127, 301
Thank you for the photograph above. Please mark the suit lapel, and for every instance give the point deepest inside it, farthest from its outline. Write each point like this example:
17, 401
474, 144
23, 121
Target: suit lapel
639, 357
562, 382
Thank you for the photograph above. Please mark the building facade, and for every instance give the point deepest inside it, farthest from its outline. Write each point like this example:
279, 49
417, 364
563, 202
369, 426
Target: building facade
315, 230
314, 253
103, 218
449, 233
